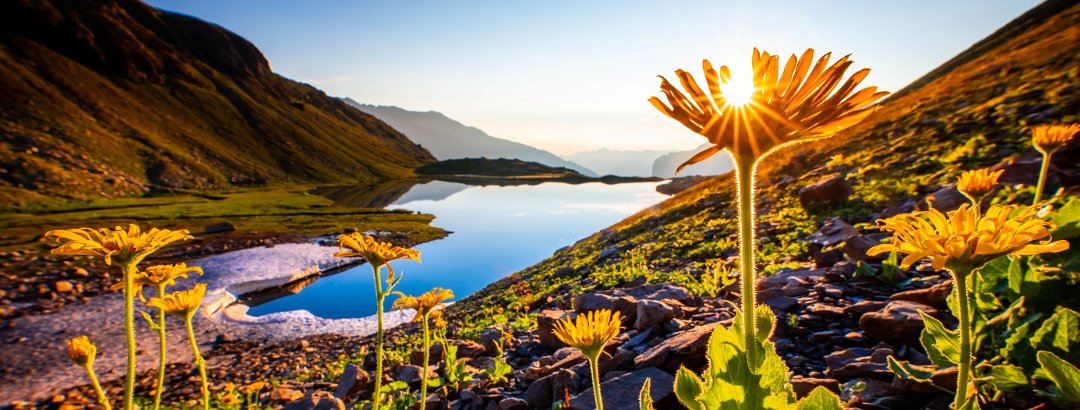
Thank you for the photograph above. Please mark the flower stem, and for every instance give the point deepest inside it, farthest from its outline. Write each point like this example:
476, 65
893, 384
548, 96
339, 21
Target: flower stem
424, 370
129, 269
199, 362
594, 369
965, 339
161, 350
744, 174
97, 387
378, 338
1042, 177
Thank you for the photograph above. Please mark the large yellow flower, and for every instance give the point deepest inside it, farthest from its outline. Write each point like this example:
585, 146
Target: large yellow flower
375, 252
425, 304
965, 240
796, 105
977, 184
182, 304
127, 246
1050, 138
159, 275
81, 351
590, 331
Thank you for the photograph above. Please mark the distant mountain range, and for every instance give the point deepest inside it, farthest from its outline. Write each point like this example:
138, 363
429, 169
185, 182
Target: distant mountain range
446, 138
622, 163
665, 166
114, 97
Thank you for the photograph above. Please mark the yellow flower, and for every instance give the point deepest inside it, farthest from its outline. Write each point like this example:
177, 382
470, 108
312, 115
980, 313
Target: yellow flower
182, 304
440, 323
159, 274
254, 387
375, 252
796, 105
1049, 138
127, 246
230, 399
977, 184
425, 304
965, 240
81, 351
590, 332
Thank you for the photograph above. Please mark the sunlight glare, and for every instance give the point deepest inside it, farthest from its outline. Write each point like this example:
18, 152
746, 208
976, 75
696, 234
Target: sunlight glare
739, 90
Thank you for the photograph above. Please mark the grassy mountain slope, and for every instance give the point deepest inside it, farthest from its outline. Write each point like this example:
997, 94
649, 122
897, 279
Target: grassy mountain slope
117, 98
973, 112
449, 139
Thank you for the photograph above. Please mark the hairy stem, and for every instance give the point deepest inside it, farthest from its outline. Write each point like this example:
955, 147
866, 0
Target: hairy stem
1042, 177
199, 362
744, 174
424, 370
594, 369
965, 339
161, 350
378, 338
129, 269
97, 387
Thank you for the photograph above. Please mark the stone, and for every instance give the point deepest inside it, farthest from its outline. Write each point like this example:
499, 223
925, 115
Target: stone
651, 312
868, 370
353, 380
841, 358
855, 247
933, 296
782, 303
945, 199
872, 391
469, 349
804, 385
660, 291
687, 347
829, 191
623, 392
408, 374
219, 228
285, 394
320, 400
898, 321
512, 403
864, 307
540, 393
545, 325
624, 304
491, 339
63, 286
435, 355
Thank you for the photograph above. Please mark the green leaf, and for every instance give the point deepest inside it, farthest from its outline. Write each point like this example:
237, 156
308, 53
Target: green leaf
1007, 377
1065, 376
687, 389
905, 370
765, 322
995, 275
644, 398
1067, 219
942, 345
1060, 333
1016, 274
864, 270
972, 403
149, 321
820, 399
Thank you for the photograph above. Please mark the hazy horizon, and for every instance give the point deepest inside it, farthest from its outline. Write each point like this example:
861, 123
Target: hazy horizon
569, 77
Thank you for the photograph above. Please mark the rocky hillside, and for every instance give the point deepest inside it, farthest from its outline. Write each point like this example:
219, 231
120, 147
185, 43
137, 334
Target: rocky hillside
117, 98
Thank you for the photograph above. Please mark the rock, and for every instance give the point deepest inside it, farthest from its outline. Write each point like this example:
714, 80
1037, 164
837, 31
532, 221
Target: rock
320, 400
651, 312
608, 252
285, 394
81, 272
782, 303
221, 227
352, 382
868, 370
899, 321
830, 191
838, 359
873, 390
622, 392
804, 386
933, 296
350, 229
945, 199
624, 304
545, 324
540, 393
491, 338
563, 272
681, 348
660, 291
63, 286
469, 396
855, 247
435, 355
863, 307
408, 374
565, 381
469, 349
512, 403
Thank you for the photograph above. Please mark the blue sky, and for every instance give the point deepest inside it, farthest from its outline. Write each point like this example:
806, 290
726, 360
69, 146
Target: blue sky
569, 76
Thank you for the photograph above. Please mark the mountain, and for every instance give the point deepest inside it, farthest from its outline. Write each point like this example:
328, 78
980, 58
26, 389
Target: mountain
449, 139
113, 97
622, 163
665, 166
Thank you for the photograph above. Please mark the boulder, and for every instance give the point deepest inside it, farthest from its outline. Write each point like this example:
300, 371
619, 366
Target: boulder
624, 304
899, 321
651, 312
830, 191
687, 347
468, 349
221, 227
863, 307
946, 199
933, 296
435, 355
491, 338
320, 400
540, 393
353, 380
622, 392
545, 325
804, 385
512, 403
855, 247
285, 394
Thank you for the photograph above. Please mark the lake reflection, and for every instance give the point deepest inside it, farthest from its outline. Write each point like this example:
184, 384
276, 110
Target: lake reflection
497, 230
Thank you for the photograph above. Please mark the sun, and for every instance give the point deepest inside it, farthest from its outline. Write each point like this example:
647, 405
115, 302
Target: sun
739, 91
